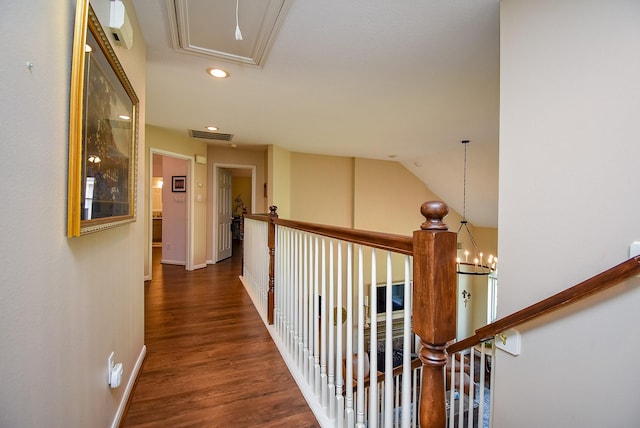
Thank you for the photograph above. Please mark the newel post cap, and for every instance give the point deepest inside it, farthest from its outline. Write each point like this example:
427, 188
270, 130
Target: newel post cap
434, 212
273, 210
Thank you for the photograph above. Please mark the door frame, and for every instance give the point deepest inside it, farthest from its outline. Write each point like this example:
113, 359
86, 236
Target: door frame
214, 229
190, 210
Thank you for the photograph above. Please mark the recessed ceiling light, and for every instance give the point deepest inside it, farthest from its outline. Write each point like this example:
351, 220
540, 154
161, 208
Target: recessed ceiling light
393, 156
211, 128
217, 72
124, 117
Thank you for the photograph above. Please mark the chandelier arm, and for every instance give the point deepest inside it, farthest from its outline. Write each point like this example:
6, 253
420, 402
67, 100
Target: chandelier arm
473, 241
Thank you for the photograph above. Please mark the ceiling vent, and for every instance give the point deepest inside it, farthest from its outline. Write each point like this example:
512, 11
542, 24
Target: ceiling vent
210, 135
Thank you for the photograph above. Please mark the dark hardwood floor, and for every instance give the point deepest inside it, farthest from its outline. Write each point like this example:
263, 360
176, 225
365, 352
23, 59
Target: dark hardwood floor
210, 360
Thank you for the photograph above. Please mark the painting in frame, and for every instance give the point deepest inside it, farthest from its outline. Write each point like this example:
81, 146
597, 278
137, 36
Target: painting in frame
178, 183
103, 132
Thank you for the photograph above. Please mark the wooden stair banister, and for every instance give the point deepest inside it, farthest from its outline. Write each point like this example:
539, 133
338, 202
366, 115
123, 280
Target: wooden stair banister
593, 285
433, 248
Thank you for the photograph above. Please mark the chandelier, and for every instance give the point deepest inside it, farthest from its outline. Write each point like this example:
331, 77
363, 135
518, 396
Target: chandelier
474, 261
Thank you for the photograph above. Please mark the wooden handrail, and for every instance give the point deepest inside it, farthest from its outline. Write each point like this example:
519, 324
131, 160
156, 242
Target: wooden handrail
593, 285
385, 241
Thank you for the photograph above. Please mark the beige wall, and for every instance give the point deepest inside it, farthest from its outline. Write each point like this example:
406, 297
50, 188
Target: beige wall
569, 150
279, 185
322, 189
65, 303
387, 197
169, 142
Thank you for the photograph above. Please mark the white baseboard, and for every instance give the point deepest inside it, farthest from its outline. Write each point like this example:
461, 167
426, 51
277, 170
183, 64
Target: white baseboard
200, 266
147, 278
129, 388
211, 262
172, 262
254, 299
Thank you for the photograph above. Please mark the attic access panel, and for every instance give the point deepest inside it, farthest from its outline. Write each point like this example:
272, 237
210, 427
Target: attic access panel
207, 27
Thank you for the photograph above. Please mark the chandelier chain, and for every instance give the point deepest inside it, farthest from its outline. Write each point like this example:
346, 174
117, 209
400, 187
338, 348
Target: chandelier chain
464, 183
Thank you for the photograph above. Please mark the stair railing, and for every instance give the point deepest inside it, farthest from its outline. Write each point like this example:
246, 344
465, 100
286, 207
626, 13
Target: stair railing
589, 287
320, 315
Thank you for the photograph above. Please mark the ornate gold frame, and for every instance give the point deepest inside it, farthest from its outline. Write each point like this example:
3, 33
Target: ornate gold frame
103, 133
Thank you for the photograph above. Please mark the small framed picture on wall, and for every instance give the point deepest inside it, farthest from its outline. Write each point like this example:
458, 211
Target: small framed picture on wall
178, 183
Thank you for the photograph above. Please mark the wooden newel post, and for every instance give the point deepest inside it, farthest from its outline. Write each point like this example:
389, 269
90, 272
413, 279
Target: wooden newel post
434, 307
271, 242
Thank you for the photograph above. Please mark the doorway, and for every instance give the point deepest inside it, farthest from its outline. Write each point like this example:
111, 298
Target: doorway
170, 208
234, 190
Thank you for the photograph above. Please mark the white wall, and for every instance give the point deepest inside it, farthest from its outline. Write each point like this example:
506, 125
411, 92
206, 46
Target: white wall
65, 303
569, 206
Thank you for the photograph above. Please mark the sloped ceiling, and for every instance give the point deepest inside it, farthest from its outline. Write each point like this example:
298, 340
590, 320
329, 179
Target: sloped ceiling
403, 81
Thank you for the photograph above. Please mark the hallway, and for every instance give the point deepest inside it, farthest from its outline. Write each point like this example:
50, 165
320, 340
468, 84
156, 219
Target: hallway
210, 360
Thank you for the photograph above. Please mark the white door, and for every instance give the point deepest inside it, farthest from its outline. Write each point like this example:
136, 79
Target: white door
224, 214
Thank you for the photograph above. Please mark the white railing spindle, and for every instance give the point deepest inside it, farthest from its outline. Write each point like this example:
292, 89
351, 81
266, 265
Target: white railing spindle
349, 415
373, 343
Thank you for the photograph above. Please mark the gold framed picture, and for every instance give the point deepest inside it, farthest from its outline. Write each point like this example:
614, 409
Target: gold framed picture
103, 132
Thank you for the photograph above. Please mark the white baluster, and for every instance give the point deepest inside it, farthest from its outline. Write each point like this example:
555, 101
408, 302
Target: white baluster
406, 347
452, 383
388, 348
472, 390
330, 352
318, 291
296, 291
305, 309
360, 404
349, 411
482, 384
340, 403
460, 391
373, 345
301, 304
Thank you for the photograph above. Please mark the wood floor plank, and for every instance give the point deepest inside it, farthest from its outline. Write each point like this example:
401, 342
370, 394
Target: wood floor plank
210, 360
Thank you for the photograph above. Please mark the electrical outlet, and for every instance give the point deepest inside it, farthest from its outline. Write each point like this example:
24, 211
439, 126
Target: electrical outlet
110, 367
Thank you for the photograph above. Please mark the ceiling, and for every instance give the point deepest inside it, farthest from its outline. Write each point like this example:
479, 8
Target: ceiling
404, 80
